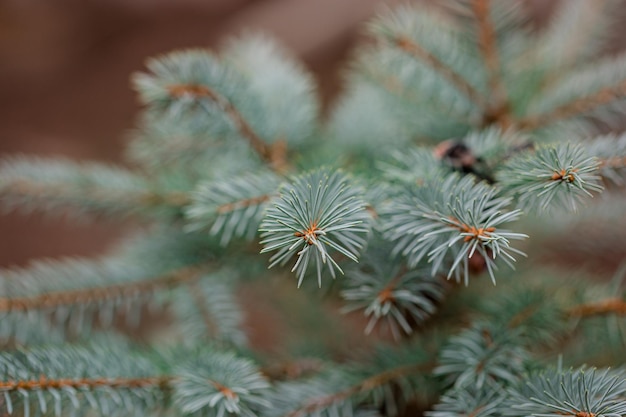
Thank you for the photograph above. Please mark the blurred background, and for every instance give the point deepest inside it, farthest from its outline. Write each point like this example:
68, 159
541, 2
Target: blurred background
65, 68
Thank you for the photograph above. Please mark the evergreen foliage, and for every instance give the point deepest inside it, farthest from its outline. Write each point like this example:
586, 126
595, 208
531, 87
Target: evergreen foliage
466, 139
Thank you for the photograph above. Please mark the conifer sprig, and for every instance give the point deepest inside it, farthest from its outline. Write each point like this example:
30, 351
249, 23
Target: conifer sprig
403, 298
319, 212
232, 207
57, 379
580, 392
482, 355
83, 189
220, 384
501, 108
450, 220
72, 298
338, 392
470, 401
553, 177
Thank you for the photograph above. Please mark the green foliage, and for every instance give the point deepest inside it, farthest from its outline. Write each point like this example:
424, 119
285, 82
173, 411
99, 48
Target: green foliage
582, 391
559, 176
481, 355
390, 291
222, 383
233, 207
111, 381
318, 212
32, 183
462, 128
451, 219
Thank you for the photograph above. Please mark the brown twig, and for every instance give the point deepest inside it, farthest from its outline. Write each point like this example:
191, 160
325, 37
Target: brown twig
522, 316
91, 295
292, 369
608, 306
613, 162
366, 385
44, 383
418, 52
574, 108
386, 294
274, 155
229, 207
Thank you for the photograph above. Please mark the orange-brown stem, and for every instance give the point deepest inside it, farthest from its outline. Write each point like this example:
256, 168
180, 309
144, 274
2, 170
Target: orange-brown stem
309, 234
476, 233
522, 316
227, 208
386, 294
614, 162
562, 175
92, 295
43, 383
608, 306
293, 369
227, 392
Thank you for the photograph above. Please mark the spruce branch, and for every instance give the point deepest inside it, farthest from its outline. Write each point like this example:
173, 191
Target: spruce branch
576, 393
118, 292
385, 380
318, 212
532, 314
368, 384
232, 207
214, 312
193, 91
554, 177
412, 166
196, 88
388, 291
52, 300
66, 299
415, 50
448, 221
470, 402
57, 185
482, 355
117, 381
43, 383
603, 307
393, 86
110, 381
578, 107
286, 91
219, 384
